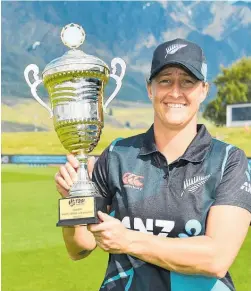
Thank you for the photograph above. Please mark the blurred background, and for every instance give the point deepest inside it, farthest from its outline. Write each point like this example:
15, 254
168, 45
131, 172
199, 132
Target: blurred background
33, 253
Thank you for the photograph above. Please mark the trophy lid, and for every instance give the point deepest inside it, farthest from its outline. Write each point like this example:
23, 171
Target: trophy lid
73, 35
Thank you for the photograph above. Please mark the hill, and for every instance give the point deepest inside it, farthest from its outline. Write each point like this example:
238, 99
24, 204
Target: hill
127, 29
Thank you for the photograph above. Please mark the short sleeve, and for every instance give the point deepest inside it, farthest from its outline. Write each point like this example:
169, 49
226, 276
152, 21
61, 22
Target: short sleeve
235, 186
100, 176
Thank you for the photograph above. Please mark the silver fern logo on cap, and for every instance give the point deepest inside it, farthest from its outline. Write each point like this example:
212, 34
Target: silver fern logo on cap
191, 185
174, 48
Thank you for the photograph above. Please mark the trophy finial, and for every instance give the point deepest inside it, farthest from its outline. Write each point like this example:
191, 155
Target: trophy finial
73, 35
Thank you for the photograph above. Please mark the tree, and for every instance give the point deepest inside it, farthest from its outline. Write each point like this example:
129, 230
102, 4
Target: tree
233, 86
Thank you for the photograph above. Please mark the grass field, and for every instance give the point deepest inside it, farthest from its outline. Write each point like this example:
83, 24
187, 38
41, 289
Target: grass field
48, 142
33, 254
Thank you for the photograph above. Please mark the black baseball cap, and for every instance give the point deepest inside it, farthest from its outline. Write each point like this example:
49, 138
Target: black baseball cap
180, 52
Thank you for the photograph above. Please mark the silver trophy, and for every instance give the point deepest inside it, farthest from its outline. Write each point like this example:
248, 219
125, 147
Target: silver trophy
75, 83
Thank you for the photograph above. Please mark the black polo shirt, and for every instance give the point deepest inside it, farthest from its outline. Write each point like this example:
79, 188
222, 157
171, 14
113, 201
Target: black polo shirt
170, 200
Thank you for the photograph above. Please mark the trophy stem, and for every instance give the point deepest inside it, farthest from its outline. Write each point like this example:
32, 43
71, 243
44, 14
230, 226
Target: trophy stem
83, 186
82, 173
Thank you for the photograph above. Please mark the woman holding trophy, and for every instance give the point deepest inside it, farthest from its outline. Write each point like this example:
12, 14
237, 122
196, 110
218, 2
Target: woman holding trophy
178, 207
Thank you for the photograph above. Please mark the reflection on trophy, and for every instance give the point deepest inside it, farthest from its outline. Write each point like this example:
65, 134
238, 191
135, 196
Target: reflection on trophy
75, 83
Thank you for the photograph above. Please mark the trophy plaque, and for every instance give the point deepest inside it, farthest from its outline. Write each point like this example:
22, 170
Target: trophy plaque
75, 83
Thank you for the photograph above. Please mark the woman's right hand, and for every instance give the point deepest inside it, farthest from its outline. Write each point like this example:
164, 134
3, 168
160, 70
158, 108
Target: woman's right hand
67, 174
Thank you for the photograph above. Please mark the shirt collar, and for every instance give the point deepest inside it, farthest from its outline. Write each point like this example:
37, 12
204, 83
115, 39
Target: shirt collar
195, 152
148, 144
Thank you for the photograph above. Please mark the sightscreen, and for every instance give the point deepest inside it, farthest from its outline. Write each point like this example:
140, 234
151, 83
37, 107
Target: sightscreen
239, 115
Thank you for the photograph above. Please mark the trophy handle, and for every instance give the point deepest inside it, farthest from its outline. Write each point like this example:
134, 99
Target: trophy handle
117, 78
34, 68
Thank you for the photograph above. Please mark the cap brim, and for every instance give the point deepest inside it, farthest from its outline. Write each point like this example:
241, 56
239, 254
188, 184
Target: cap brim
184, 64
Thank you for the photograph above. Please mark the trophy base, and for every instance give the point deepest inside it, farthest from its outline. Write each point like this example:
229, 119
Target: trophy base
80, 210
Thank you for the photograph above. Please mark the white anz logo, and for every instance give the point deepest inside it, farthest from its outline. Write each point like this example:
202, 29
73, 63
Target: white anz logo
138, 224
191, 185
174, 48
247, 187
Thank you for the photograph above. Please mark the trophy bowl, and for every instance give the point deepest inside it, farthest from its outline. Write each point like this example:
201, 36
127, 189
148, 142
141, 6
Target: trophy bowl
75, 83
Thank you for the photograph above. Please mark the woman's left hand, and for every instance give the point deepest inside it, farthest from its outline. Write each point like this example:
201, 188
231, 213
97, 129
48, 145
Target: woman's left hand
110, 234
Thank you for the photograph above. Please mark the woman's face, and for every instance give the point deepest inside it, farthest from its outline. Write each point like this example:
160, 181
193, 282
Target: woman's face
176, 96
